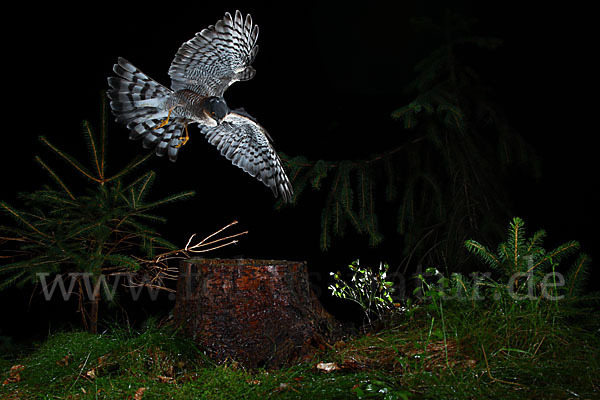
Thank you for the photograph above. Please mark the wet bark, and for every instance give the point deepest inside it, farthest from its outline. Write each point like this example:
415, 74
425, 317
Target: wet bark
260, 313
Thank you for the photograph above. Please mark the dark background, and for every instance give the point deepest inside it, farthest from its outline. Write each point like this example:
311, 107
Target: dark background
328, 77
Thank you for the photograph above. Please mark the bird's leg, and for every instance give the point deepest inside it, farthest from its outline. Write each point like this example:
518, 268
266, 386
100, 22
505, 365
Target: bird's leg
165, 121
185, 138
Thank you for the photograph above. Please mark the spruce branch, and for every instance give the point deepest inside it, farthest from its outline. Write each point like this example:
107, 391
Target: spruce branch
98, 230
17, 215
90, 139
483, 252
55, 177
138, 161
527, 257
71, 160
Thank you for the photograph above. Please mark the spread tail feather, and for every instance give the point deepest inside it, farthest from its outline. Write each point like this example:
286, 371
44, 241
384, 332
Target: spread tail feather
138, 101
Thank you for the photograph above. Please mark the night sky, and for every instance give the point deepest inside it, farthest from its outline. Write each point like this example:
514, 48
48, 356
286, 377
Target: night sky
328, 77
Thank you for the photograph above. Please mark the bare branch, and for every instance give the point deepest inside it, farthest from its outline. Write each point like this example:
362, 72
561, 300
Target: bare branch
159, 269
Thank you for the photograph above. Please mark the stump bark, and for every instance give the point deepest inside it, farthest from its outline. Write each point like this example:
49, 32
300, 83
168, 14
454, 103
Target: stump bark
260, 313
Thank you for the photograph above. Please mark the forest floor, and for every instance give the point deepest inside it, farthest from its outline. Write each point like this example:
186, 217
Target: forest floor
466, 353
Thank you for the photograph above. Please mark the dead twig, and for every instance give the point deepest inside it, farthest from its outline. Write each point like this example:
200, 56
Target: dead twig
159, 267
202, 246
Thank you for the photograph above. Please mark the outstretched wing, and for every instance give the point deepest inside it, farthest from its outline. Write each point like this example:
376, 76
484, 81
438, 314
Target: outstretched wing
216, 57
240, 139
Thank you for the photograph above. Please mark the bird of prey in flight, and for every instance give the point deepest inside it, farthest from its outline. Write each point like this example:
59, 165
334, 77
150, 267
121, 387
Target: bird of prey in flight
202, 70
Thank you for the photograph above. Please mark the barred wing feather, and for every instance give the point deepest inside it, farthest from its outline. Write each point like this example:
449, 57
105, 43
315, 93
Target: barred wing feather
216, 57
245, 143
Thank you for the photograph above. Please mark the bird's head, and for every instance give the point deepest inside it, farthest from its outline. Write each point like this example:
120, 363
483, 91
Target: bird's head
217, 109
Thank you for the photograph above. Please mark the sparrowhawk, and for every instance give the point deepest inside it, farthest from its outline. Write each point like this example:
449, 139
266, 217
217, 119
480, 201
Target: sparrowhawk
203, 68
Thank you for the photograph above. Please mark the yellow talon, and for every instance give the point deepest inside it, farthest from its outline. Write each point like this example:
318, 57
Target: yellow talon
185, 138
166, 121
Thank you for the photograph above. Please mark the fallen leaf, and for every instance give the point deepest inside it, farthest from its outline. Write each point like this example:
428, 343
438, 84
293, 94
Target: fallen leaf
14, 374
102, 360
165, 379
63, 362
17, 368
91, 374
139, 393
327, 367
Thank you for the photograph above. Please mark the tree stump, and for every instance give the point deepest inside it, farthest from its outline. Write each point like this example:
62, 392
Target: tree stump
260, 313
